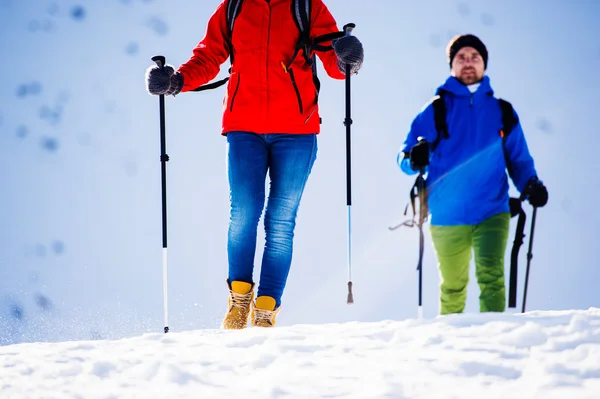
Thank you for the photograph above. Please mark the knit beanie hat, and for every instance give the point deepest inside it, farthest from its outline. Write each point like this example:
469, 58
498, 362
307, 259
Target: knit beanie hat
460, 41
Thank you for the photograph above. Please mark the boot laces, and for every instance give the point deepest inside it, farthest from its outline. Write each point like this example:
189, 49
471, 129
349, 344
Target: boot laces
240, 300
264, 315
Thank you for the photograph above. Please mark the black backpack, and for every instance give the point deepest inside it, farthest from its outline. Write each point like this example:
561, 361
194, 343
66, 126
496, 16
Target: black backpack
509, 121
301, 12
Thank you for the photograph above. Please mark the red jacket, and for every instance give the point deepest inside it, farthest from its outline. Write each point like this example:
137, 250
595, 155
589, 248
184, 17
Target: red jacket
260, 96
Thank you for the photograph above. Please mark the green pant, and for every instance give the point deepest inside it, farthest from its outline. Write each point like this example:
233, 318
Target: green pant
454, 244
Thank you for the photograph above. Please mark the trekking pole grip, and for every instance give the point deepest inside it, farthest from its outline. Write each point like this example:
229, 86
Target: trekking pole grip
160, 61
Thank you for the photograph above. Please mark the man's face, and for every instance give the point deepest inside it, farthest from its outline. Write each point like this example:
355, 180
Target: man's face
467, 66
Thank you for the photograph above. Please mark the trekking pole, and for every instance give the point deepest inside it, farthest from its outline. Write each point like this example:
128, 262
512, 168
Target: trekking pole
515, 209
529, 256
422, 209
348, 122
421, 193
164, 158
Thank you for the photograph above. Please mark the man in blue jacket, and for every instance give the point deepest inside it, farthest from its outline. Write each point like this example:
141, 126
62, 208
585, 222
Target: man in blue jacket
467, 184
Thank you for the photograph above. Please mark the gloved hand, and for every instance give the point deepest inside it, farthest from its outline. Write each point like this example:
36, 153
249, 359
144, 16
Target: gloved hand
419, 155
163, 81
349, 50
536, 192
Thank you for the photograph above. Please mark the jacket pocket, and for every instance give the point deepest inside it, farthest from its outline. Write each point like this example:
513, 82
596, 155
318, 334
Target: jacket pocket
295, 85
237, 87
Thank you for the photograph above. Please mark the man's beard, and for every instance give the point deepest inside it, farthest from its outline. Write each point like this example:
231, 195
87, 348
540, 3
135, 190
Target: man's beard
469, 76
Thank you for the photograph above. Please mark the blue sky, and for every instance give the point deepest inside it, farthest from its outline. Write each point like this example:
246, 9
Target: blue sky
80, 173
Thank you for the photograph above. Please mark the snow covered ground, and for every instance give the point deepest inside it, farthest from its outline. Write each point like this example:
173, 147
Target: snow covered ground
80, 210
545, 354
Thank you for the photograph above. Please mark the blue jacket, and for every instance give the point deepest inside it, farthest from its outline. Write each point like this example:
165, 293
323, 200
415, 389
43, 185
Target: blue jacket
466, 178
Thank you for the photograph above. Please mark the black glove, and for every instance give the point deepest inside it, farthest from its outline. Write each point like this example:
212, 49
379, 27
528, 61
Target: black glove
419, 155
536, 192
163, 81
349, 50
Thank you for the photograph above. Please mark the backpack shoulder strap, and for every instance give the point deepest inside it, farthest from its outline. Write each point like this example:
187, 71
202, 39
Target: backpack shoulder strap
509, 120
301, 12
439, 116
233, 10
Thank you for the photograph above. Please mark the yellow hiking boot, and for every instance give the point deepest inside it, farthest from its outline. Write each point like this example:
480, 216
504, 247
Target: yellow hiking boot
264, 312
240, 298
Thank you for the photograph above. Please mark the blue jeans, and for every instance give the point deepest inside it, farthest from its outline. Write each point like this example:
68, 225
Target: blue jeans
288, 158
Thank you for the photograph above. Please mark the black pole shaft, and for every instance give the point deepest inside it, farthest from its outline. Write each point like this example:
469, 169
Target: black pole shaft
348, 124
163, 169
529, 257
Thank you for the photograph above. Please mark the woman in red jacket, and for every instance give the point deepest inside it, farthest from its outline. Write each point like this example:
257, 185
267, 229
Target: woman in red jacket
271, 120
